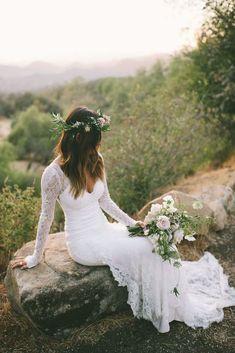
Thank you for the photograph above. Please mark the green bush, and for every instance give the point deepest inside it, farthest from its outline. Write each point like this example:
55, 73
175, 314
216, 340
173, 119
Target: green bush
31, 134
22, 179
154, 149
7, 154
19, 216
13, 103
214, 60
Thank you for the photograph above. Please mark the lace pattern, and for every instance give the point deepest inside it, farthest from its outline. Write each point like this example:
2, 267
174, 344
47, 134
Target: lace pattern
145, 296
51, 186
204, 289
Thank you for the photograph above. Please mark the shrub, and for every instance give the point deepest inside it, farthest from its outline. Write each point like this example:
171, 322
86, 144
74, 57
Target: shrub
31, 134
18, 217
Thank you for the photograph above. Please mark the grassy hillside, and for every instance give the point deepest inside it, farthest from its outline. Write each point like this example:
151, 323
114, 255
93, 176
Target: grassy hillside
158, 130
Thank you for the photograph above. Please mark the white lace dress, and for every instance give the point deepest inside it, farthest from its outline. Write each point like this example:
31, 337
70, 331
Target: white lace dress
92, 240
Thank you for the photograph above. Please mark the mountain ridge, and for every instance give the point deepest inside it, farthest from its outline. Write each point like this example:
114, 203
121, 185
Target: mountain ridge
38, 75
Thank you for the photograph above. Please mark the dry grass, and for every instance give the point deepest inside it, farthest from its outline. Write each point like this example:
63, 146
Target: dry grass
92, 333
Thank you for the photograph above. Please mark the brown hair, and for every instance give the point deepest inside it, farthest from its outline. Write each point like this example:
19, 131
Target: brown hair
78, 151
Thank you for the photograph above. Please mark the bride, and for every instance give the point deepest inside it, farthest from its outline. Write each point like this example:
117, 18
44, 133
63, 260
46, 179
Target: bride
76, 178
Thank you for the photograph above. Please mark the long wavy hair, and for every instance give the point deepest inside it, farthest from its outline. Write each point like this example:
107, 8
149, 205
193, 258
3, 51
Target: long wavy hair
79, 152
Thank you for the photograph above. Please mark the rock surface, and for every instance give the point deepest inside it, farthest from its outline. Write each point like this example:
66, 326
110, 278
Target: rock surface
221, 199
59, 294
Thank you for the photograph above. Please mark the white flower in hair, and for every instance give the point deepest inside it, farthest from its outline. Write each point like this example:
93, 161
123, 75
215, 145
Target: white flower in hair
87, 128
77, 124
101, 121
106, 118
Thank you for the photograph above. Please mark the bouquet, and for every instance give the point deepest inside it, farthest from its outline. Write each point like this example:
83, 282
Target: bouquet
166, 226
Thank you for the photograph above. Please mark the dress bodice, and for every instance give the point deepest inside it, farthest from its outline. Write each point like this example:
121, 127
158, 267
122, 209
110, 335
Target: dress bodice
55, 186
83, 214
86, 198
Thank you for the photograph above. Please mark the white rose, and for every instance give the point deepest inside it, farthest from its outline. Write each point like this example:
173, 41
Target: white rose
102, 121
154, 237
190, 237
170, 208
149, 218
168, 198
107, 118
163, 222
178, 235
146, 231
156, 208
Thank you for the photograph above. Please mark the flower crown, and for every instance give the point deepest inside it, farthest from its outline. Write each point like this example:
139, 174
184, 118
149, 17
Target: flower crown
101, 123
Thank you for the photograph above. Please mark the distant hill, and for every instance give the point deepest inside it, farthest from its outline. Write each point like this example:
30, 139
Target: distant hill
39, 75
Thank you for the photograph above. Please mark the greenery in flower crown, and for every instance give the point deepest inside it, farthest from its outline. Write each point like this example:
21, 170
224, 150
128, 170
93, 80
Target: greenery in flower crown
101, 124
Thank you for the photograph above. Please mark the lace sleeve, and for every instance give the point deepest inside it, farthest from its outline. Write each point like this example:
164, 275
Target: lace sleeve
50, 189
109, 206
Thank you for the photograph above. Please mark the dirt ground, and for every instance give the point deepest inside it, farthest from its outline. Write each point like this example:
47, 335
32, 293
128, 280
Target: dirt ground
123, 333
197, 183
5, 127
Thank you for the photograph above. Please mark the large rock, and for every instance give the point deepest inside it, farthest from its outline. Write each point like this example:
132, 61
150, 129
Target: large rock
59, 294
221, 199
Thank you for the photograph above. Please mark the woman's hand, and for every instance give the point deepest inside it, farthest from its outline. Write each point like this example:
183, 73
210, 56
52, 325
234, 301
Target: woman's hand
19, 262
140, 223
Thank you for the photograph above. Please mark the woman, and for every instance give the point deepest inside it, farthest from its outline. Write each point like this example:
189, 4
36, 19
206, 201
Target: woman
76, 179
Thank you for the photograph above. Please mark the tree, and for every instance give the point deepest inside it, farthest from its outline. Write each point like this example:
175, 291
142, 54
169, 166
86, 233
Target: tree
215, 62
31, 134
7, 155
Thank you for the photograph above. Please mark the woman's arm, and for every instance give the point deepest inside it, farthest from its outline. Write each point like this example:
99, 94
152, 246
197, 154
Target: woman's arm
50, 189
109, 206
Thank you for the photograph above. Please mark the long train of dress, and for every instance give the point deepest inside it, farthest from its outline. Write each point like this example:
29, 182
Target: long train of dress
94, 241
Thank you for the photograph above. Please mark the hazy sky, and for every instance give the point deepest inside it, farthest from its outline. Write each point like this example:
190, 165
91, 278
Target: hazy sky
65, 31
